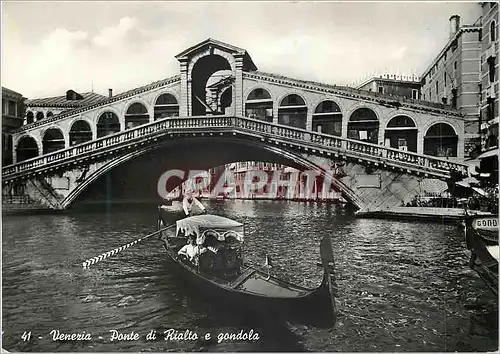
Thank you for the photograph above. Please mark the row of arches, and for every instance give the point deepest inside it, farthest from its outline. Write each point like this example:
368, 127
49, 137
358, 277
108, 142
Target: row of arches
363, 124
401, 131
30, 116
166, 105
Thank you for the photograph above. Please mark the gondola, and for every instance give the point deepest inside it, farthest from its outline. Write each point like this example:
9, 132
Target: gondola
221, 275
481, 238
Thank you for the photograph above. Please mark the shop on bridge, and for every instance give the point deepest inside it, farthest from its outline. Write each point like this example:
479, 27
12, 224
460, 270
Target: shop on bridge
293, 111
259, 105
327, 118
401, 133
441, 141
363, 125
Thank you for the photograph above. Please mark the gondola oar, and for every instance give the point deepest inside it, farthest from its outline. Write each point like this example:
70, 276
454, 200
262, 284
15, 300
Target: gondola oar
105, 255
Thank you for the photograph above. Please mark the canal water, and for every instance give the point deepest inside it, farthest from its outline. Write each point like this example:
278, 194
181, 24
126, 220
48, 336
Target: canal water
403, 286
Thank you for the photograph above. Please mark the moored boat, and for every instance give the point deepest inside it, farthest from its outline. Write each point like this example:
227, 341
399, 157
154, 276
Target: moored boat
219, 272
481, 237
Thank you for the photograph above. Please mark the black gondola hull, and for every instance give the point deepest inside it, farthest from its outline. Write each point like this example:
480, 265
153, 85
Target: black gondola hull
316, 308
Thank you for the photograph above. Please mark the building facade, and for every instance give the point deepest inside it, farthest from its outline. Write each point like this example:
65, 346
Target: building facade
489, 75
397, 85
12, 118
453, 77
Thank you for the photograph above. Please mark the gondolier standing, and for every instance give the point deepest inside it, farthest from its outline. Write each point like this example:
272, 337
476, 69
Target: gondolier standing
189, 200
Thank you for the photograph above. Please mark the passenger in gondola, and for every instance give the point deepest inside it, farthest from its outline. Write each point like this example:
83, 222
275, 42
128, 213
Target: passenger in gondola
192, 251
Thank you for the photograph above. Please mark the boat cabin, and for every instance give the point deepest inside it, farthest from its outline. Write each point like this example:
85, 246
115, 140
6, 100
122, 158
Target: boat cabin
218, 241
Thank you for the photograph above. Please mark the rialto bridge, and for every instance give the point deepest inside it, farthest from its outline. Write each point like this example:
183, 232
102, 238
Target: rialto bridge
221, 109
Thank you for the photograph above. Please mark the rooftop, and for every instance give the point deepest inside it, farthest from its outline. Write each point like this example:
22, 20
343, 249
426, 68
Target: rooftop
72, 99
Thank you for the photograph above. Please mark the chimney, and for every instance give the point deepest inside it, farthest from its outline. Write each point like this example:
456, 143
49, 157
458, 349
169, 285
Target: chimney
454, 25
110, 93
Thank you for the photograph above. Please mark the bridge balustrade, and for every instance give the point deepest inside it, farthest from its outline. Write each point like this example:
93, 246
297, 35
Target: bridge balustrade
301, 137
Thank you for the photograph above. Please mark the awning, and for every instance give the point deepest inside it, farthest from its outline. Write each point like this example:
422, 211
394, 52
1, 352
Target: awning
434, 186
480, 191
489, 153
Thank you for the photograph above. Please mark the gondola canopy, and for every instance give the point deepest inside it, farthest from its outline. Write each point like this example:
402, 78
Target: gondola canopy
201, 226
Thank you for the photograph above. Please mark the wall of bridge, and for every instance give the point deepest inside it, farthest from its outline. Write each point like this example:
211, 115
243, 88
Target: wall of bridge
369, 186
423, 120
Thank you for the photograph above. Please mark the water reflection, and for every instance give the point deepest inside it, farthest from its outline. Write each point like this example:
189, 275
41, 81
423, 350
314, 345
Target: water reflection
403, 286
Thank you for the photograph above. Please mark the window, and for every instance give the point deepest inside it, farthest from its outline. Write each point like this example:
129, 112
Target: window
455, 65
414, 94
437, 87
444, 79
12, 108
454, 98
493, 34
380, 89
491, 70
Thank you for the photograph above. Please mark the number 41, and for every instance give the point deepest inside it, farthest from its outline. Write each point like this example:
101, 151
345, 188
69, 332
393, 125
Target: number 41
26, 336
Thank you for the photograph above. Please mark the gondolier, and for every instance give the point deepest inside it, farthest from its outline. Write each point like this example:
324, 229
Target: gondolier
189, 200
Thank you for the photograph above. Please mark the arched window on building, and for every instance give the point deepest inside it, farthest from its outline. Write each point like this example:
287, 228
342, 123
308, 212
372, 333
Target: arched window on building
166, 106
39, 116
441, 141
327, 118
27, 148
108, 123
53, 140
363, 125
137, 114
401, 133
292, 111
49, 114
80, 132
259, 105
29, 117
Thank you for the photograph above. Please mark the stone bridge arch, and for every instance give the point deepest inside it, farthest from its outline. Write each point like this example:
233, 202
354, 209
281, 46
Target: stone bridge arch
242, 150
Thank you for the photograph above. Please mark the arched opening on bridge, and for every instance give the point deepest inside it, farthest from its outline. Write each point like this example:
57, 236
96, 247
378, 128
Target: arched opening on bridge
292, 111
204, 69
80, 132
226, 99
441, 141
108, 123
27, 148
259, 105
166, 106
327, 118
29, 117
363, 125
53, 140
219, 92
49, 114
137, 114
39, 116
401, 133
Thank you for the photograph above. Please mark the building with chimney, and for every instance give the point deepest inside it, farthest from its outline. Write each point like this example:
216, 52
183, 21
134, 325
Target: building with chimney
38, 109
453, 78
489, 75
12, 118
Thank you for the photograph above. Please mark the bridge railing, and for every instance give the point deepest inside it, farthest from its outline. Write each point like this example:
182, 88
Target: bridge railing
349, 145
354, 148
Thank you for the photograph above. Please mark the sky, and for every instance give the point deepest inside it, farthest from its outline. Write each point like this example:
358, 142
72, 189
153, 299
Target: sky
50, 47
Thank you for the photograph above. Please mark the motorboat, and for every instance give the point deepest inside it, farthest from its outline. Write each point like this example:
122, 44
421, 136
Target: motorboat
481, 237
219, 272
